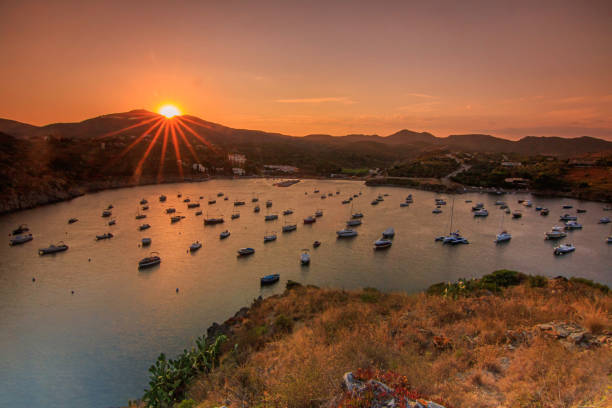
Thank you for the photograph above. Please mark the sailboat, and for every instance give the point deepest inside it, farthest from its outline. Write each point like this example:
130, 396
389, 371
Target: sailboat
355, 218
504, 235
453, 238
139, 215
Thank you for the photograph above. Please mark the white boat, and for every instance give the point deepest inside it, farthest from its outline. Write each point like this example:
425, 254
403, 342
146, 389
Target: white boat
357, 215
289, 227
52, 249
353, 223
572, 225
481, 213
149, 261
503, 237
564, 249
305, 257
224, 234
388, 233
568, 217
145, 241
604, 220
346, 233
454, 238
195, 246
383, 244
269, 237
246, 251
555, 233
20, 239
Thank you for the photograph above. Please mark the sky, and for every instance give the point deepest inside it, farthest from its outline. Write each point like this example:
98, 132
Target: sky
507, 68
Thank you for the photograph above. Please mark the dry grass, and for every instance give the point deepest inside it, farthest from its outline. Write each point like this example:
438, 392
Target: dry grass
452, 351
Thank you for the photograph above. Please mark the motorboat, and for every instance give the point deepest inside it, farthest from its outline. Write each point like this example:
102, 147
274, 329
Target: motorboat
238, 202
315, 191
20, 239
517, 214
316, 244
544, 211
187, 200
144, 227
330, 194
140, 216
538, 208
357, 215
520, 201
440, 201
210, 202
224, 234
388, 233
609, 239
269, 237
404, 204
555, 233
481, 213
162, 198
106, 213
572, 225
289, 227
269, 279
374, 202
219, 194
72, 220
195, 246
246, 251
198, 212
288, 212
380, 198
383, 244
170, 210
567, 207
143, 202
436, 211
503, 206
346, 233
498, 202
468, 201
353, 222
477, 207
268, 203
323, 197
193, 205
604, 220
305, 257
110, 207
346, 201
52, 249
310, 220
254, 199
527, 203
568, 217
235, 215
225, 198
201, 197
145, 207
256, 209
21, 229
108, 235
580, 210
271, 217
319, 213
149, 261
507, 210
564, 249
145, 242
176, 218
503, 237
179, 195
213, 220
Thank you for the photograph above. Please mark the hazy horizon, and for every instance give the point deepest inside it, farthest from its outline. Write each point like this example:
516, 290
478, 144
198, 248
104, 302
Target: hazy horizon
505, 69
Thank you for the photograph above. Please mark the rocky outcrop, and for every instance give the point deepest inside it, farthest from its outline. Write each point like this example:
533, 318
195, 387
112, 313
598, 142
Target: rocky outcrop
379, 395
570, 334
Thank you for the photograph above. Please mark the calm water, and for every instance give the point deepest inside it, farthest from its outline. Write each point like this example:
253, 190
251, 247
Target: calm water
93, 348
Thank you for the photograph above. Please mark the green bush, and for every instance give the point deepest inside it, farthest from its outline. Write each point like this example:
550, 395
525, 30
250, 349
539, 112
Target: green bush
188, 403
283, 323
503, 278
537, 281
588, 282
370, 295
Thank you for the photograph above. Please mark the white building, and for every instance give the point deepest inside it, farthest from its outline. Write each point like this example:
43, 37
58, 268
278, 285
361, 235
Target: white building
238, 171
199, 168
236, 159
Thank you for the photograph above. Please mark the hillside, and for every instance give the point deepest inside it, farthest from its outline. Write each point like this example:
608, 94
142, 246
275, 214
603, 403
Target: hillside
505, 340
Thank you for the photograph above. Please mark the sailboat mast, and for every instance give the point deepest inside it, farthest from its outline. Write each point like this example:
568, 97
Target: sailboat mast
452, 212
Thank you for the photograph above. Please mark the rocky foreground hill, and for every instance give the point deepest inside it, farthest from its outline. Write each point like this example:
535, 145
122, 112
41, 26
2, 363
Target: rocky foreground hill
505, 340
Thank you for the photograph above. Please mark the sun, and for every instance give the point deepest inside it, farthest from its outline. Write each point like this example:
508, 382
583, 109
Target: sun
169, 111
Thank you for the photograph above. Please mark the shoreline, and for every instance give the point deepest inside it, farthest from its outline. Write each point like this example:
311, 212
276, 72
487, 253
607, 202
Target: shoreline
39, 199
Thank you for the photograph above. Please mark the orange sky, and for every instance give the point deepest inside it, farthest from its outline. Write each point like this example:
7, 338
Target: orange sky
505, 68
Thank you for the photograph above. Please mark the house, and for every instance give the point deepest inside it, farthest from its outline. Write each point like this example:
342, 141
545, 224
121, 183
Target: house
236, 159
199, 168
238, 171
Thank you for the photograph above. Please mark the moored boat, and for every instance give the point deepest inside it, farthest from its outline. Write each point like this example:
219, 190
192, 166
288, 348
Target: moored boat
305, 257
21, 229
346, 233
383, 244
224, 234
52, 249
246, 251
107, 235
269, 279
195, 246
72, 220
310, 220
388, 233
564, 249
144, 227
149, 261
146, 242
20, 239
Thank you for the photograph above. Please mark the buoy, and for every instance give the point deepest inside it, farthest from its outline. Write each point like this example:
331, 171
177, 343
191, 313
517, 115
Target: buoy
88, 259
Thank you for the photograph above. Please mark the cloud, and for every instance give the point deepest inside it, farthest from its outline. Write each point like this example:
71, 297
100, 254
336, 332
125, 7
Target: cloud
420, 95
338, 99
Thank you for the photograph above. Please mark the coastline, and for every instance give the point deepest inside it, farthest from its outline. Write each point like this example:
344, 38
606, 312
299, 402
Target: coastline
34, 199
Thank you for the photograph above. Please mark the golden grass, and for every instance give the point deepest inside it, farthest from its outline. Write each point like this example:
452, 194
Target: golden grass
452, 351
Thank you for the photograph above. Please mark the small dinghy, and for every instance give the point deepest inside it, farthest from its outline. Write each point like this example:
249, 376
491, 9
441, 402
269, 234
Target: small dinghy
568, 217
271, 217
72, 220
270, 279
404, 204
219, 194
246, 251
149, 261
310, 220
436, 211
305, 257
193, 205
235, 215
388, 233
143, 201
20, 239
144, 227
239, 202
106, 213
213, 221
256, 209
176, 218
604, 220
224, 234
346, 233
195, 246
145, 242
108, 235
353, 222
170, 210
287, 212
383, 244
316, 244
357, 215
198, 212
112, 222
481, 213
140, 216
21, 229
269, 237
564, 249
319, 213
52, 249
517, 214
544, 211
210, 202
145, 207
162, 198
289, 227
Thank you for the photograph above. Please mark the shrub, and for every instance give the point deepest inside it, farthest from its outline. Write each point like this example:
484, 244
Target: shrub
503, 278
537, 281
370, 295
188, 403
588, 282
283, 323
